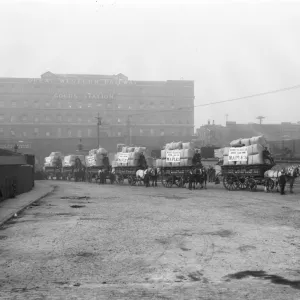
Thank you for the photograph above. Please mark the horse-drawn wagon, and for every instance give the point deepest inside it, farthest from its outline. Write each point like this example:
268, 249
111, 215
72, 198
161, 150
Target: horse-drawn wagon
128, 162
244, 165
53, 166
97, 166
180, 163
74, 167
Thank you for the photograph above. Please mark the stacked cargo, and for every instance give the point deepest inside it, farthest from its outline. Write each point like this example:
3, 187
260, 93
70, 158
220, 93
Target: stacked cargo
53, 159
176, 155
69, 160
96, 157
245, 152
130, 156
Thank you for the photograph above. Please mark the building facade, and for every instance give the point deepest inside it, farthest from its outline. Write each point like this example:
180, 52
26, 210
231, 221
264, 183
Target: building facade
57, 110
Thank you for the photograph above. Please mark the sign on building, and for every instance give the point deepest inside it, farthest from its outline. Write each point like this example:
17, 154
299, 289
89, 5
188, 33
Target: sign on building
238, 154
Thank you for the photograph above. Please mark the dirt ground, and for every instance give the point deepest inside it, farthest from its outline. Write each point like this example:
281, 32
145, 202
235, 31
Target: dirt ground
123, 242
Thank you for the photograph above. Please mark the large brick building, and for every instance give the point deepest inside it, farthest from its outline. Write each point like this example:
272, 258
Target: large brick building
53, 112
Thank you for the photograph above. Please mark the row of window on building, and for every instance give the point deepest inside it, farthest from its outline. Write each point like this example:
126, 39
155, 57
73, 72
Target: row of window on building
71, 132
107, 119
107, 104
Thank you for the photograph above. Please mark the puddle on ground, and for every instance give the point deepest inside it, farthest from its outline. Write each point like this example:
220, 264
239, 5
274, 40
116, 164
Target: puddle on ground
263, 275
77, 206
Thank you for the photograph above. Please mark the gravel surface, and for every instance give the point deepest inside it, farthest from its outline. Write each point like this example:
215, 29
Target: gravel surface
87, 241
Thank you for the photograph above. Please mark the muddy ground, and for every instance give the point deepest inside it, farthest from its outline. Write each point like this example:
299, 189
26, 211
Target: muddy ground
125, 242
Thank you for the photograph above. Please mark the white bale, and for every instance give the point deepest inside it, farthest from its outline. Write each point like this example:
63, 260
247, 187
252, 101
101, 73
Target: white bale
189, 145
134, 155
132, 163
102, 151
226, 151
174, 146
188, 153
218, 153
235, 143
114, 164
158, 163
242, 162
56, 154
245, 142
255, 149
124, 149
163, 154
255, 159
93, 151
259, 140
130, 149
140, 149
185, 162
176, 164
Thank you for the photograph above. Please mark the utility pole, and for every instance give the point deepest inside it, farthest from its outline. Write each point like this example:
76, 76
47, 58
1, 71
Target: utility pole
260, 118
129, 128
99, 123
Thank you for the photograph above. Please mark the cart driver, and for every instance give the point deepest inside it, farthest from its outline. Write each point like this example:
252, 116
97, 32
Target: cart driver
267, 155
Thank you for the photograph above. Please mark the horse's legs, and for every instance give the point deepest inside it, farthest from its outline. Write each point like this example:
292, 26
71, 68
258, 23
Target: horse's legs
292, 185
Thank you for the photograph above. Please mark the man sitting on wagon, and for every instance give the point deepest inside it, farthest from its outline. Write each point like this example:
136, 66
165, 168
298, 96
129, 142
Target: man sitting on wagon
196, 161
268, 156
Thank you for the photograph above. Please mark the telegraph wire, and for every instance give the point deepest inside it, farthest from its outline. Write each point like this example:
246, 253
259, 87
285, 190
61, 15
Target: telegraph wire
222, 101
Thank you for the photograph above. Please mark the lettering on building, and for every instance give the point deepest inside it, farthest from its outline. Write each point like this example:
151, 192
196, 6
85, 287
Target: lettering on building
83, 81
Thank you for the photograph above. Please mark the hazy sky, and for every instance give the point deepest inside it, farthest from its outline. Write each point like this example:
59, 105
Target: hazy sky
229, 48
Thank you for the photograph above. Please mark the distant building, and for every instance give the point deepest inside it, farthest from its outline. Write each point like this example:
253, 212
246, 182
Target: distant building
280, 136
53, 112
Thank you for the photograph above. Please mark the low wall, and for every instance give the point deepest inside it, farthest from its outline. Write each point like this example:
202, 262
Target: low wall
15, 180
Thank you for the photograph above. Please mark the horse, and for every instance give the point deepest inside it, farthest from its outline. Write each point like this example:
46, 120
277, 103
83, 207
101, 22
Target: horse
290, 174
78, 170
153, 175
197, 176
143, 176
102, 176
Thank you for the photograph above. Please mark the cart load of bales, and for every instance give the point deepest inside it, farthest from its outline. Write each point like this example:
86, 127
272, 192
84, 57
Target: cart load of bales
97, 158
53, 159
252, 149
177, 154
69, 160
129, 156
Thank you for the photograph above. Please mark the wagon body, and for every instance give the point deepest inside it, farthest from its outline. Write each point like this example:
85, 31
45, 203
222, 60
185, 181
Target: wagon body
243, 177
53, 172
128, 173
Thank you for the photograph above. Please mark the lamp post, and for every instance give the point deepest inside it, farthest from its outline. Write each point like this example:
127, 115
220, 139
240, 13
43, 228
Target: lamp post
99, 123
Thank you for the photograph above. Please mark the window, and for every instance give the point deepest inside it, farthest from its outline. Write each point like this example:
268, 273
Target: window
162, 105
69, 118
79, 105
35, 104
119, 120
89, 120
79, 119
24, 134
90, 105
69, 133
1, 118
59, 132
98, 104
47, 117
141, 132
70, 104
13, 119
36, 131
12, 132
109, 104
151, 104
141, 104
119, 106
47, 103
25, 103
24, 118
36, 119
59, 104
89, 132
59, 118
172, 104
1, 131
162, 132
79, 133
152, 131
1, 103
119, 133
48, 133
130, 106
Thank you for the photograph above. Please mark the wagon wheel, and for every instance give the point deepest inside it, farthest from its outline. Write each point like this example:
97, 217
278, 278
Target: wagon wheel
163, 179
243, 183
131, 180
218, 178
269, 184
120, 178
231, 182
251, 184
